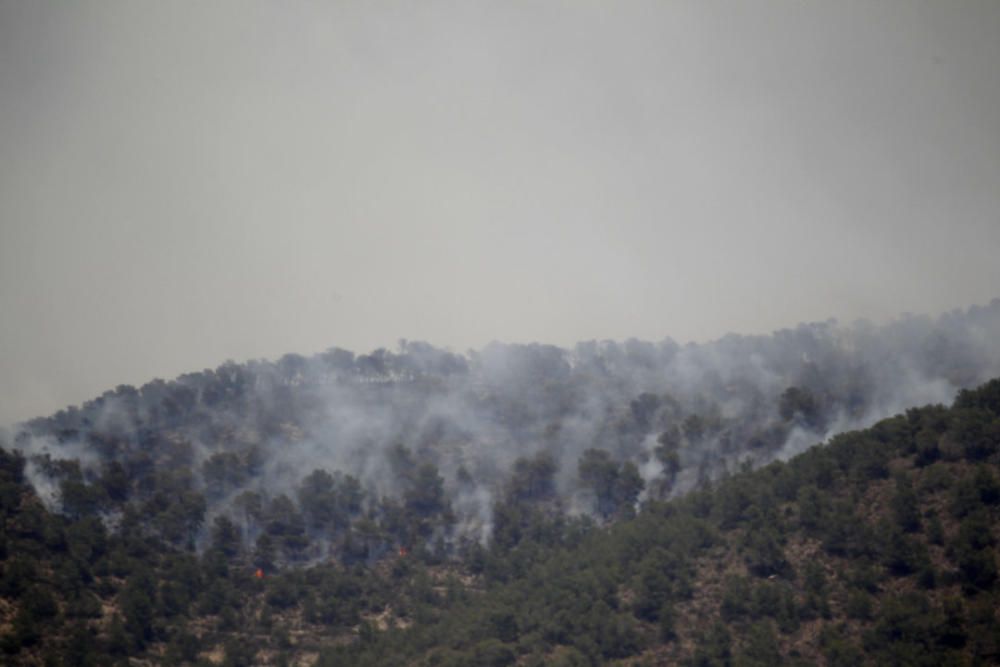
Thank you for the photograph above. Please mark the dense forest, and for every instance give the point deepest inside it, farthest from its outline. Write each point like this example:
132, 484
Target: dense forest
647, 503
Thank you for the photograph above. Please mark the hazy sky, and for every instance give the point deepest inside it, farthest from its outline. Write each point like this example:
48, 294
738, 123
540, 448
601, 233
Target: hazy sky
187, 182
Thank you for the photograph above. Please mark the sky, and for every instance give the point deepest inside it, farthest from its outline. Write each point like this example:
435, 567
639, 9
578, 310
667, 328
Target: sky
184, 183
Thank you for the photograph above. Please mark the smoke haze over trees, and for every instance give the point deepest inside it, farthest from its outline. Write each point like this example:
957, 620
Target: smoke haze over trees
313, 457
185, 530
187, 184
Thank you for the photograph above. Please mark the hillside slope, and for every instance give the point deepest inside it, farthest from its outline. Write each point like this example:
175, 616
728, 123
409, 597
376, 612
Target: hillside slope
878, 547
352, 457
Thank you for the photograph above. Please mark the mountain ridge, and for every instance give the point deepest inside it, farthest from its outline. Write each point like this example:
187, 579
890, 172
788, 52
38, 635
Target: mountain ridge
340, 479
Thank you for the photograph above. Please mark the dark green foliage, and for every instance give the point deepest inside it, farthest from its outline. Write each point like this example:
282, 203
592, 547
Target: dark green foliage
986, 486
761, 647
667, 453
656, 583
18, 573
80, 499
905, 505
615, 486
985, 397
927, 445
225, 472
910, 630
714, 648
425, 495
226, 537
329, 501
667, 627
736, 601
533, 479
79, 647
838, 650
183, 647
599, 473
903, 555
627, 488
239, 654
763, 552
845, 534
39, 603
974, 432
832, 553
813, 508
797, 403
859, 605
137, 608
286, 530
978, 569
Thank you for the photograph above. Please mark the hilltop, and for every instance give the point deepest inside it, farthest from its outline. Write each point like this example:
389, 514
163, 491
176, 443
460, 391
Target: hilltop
637, 502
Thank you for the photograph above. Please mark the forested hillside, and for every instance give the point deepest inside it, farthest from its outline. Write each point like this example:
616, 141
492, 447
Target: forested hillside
878, 548
426, 436
635, 502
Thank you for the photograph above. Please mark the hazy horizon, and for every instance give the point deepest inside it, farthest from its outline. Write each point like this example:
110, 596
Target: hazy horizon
183, 184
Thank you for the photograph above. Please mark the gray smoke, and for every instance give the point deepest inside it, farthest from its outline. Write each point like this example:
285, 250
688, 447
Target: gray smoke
682, 413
